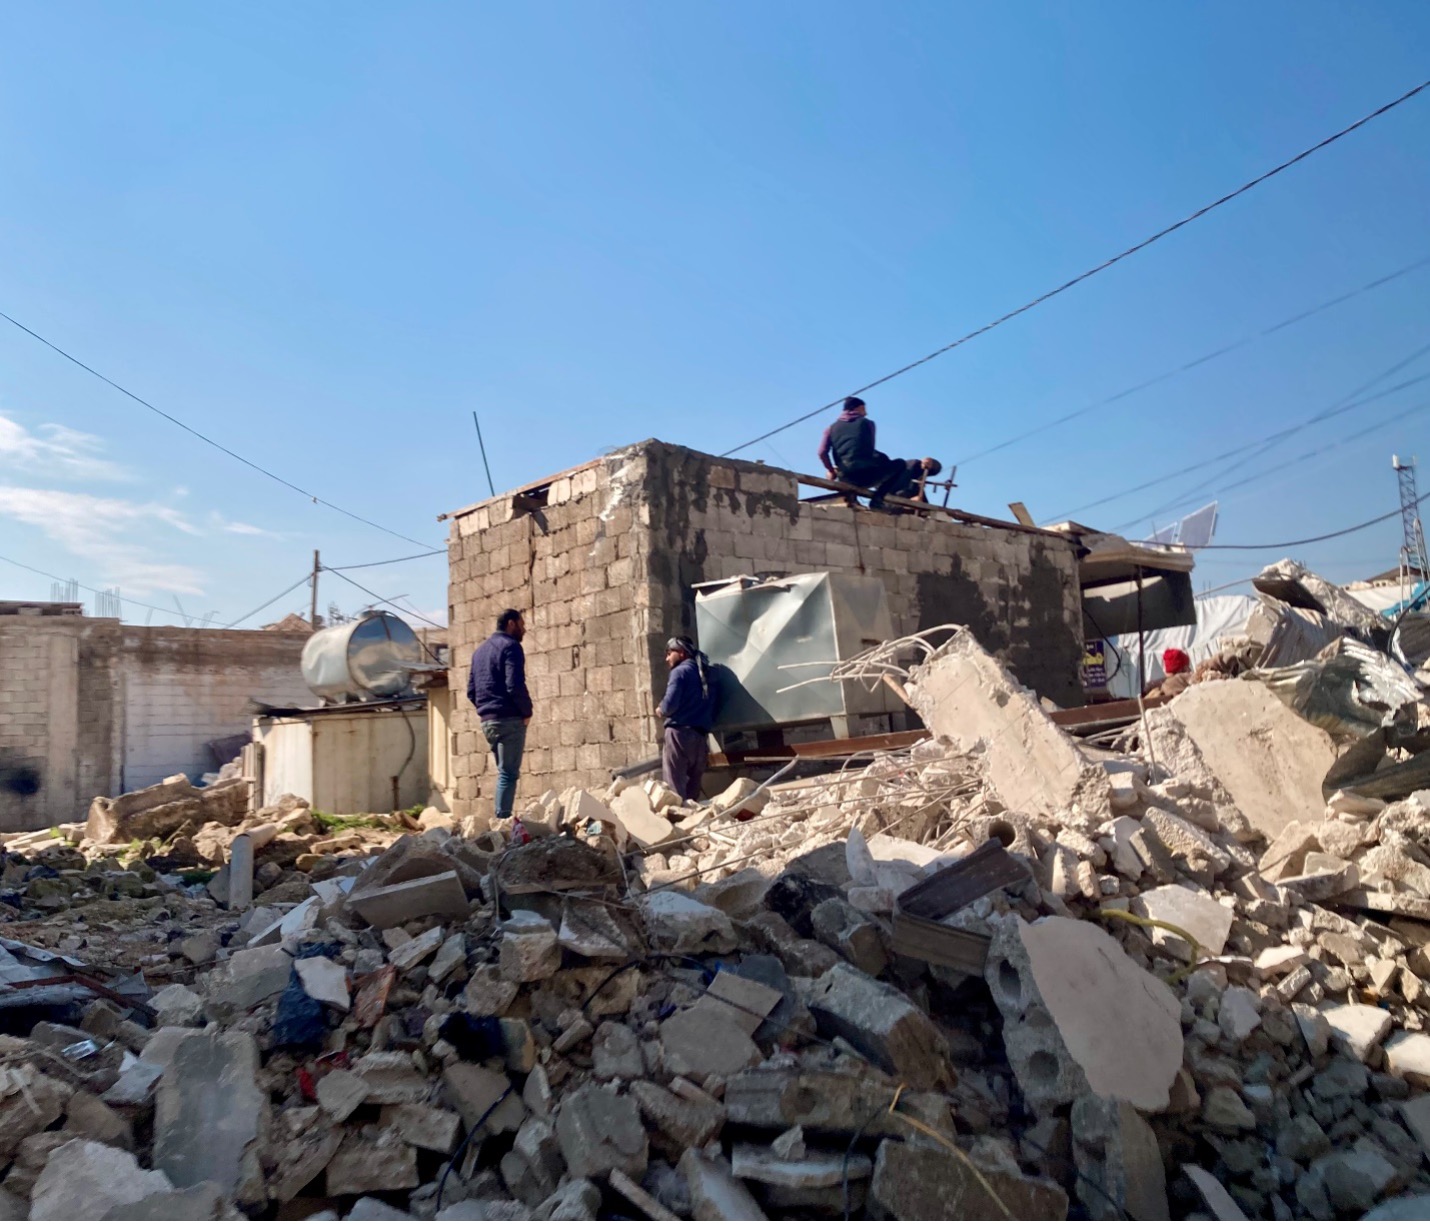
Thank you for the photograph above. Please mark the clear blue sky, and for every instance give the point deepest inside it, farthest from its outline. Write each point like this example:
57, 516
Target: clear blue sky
324, 233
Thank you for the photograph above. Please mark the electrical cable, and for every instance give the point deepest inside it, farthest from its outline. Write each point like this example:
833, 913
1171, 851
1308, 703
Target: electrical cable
1102, 267
92, 590
1290, 544
1193, 364
382, 599
466, 1140
307, 578
273, 476
1278, 435
391, 561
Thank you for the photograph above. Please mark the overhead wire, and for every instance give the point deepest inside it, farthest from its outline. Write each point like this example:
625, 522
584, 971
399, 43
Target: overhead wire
1102, 267
307, 578
391, 561
382, 599
1185, 367
92, 590
202, 437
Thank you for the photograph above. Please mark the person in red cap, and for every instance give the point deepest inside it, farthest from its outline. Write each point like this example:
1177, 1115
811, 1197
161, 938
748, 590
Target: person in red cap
1178, 666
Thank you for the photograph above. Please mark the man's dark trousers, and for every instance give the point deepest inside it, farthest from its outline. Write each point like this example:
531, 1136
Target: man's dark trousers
684, 756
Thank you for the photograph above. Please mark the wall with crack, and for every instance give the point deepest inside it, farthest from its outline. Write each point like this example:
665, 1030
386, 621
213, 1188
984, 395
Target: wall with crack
604, 572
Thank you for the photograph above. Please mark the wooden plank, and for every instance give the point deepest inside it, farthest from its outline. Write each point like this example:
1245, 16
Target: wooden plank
939, 944
927, 508
816, 749
1104, 712
990, 867
1020, 513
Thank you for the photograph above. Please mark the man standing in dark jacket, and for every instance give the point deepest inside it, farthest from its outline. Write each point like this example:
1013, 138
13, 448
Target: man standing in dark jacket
688, 709
496, 686
847, 453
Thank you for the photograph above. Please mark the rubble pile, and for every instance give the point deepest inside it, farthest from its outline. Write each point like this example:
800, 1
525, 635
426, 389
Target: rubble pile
998, 975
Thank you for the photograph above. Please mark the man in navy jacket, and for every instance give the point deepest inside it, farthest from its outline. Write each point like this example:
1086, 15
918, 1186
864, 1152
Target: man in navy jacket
688, 708
496, 686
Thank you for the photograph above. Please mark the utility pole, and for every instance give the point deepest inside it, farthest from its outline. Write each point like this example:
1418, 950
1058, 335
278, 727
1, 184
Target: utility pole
313, 614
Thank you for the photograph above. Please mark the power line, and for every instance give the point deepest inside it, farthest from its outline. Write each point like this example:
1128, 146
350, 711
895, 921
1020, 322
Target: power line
384, 600
306, 578
391, 561
1102, 267
1185, 367
205, 438
1324, 415
1291, 544
1280, 436
168, 612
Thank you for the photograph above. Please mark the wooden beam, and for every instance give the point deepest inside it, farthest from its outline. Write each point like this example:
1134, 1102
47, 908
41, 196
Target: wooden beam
816, 749
926, 508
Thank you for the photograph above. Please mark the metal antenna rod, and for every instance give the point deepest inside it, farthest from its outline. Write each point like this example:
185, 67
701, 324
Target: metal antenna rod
483, 446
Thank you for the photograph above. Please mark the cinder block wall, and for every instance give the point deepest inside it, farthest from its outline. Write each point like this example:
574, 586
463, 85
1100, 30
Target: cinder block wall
97, 708
604, 574
182, 688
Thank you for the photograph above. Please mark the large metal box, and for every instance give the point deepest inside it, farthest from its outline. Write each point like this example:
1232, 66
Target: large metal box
770, 635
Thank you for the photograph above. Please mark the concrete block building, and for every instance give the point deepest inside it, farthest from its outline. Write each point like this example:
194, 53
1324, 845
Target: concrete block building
603, 559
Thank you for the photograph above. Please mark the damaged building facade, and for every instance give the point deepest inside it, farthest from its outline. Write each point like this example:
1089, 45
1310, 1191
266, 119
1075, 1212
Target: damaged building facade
604, 559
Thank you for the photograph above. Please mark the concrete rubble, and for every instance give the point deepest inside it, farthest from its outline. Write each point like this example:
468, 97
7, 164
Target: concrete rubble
1203, 995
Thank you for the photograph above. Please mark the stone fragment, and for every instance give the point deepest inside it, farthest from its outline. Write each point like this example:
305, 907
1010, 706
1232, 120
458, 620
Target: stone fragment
917, 1182
789, 1144
24, 1113
391, 1078
578, 1200
1407, 1055
440, 896
599, 1132
340, 1093
324, 980
701, 1042
370, 1209
135, 1085
1081, 1017
1358, 1028
248, 978
881, 1023
1302, 1139
1184, 842
301, 1159
850, 933
1124, 855
1415, 1114
1274, 962
473, 1090
529, 949
426, 1127
638, 1195
1115, 1150
739, 895
1216, 1197
641, 824
616, 1052
487, 994
90, 1118
211, 1116
415, 951
759, 1163
1355, 1179
1239, 1013
1224, 1111
534, 1166
177, 1005
778, 1098
689, 1123
1206, 921
204, 1201
83, 1180
452, 954
677, 923
715, 1193
1286, 855
1401, 1208
743, 1001
382, 1162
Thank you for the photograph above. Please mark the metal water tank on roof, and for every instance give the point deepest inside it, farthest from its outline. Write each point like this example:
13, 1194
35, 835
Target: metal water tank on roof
363, 660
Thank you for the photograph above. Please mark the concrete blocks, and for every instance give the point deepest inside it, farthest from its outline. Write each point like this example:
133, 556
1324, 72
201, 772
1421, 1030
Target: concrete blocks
1081, 1017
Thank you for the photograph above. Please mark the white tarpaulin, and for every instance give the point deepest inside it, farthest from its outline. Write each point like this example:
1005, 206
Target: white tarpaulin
1218, 617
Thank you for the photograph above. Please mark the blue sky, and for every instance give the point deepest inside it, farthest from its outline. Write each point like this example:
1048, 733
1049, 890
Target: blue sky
323, 234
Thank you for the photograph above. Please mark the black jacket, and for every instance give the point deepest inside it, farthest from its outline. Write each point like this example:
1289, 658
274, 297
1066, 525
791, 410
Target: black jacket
497, 684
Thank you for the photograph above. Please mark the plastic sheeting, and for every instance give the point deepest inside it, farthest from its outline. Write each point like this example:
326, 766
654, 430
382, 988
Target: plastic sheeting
1218, 617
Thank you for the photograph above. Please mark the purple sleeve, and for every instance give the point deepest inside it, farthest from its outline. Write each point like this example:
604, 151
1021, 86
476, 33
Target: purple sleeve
824, 447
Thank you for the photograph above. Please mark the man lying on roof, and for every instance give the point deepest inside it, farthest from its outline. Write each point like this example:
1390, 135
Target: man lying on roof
848, 454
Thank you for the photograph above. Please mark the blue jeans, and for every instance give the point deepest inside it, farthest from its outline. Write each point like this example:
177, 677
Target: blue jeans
507, 738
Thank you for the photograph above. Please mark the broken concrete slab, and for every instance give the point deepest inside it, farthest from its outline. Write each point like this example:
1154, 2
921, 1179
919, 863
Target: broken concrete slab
1407, 1055
211, 1116
324, 980
473, 1090
92, 1119
600, 1132
340, 1092
301, 1159
84, 1180
529, 949
593, 931
1216, 1197
1206, 920
1118, 1156
426, 1127
1081, 1017
882, 1023
616, 1052
759, 1163
917, 1182
640, 822
829, 1101
247, 978
391, 1077
741, 1000
25, 1113
380, 1162
689, 1123
1269, 759
968, 698
677, 923
1358, 1028
704, 1042
440, 896
177, 1005
416, 950
715, 1193
452, 954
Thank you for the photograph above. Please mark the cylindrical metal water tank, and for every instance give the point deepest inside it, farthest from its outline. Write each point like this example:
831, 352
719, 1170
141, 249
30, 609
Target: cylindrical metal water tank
361, 660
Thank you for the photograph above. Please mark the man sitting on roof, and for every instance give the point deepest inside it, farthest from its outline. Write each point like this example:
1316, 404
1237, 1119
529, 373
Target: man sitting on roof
847, 453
